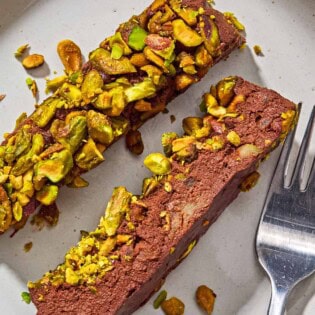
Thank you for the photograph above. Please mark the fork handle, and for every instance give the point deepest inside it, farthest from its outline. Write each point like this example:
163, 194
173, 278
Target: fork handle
278, 299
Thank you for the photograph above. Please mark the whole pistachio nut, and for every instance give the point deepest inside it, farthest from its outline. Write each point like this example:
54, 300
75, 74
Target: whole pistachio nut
70, 55
33, 61
158, 164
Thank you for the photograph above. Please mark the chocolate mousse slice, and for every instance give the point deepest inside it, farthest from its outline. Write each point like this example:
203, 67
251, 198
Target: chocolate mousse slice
116, 268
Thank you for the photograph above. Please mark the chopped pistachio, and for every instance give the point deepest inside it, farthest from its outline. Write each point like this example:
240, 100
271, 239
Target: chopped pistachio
167, 139
17, 211
88, 156
148, 185
139, 60
173, 306
102, 60
168, 187
117, 43
54, 84
21, 50
210, 35
56, 167
160, 299
205, 298
184, 148
91, 85
140, 90
189, 15
185, 34
215, 143
32, 85
248, 151
70, 55
33, 61
47, 195
116, 208
233, 19
157, 163
234, 138
71, 93
183, 81
137, 38
258, 50
28, 246
26, 297
225, 90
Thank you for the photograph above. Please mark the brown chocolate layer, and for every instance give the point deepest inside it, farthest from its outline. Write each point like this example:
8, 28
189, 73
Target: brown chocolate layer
201, 189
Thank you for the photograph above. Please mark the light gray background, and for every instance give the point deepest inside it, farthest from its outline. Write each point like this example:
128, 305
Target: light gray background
224, 259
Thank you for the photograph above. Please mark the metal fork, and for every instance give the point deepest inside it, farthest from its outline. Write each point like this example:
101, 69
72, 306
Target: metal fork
285, 240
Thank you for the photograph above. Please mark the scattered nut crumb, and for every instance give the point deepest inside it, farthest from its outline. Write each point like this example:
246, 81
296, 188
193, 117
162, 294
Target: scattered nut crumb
172, 118
21, 50
32, 85
33, 61
258, 50
28, 246
160, 299
173, 306
2, 96
205, 298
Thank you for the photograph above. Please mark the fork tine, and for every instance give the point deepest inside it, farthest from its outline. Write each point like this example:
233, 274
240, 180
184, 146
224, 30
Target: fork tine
299, 170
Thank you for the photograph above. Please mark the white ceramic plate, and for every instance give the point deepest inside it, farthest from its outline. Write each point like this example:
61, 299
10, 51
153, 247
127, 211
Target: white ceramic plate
224, 258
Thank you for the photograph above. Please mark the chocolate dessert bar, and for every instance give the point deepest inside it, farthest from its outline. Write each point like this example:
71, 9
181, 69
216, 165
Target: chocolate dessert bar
131, 77
140, 239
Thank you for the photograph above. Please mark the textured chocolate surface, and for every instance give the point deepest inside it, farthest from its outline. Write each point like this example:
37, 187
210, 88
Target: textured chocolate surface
211, 182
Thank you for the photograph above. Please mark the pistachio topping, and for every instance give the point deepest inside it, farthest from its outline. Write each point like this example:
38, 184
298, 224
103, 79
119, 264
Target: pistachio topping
157, 163
131, 77
205, 298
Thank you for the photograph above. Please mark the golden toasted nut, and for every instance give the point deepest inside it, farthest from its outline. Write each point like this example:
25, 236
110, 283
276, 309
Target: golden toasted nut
70, 55
205, 298
173, 306
157, 163
33, 61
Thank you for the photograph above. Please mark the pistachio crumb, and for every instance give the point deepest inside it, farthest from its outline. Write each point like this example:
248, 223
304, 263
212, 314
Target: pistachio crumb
172, 118
26, 297
32, 85
160, 299
28, 246
205, 298
2, 97
21, 50
258, 50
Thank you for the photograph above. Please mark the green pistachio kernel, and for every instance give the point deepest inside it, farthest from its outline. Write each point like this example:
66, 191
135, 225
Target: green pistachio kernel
26, 297
17, 211
137, 38
187, 14
191, 124
116, 209
55, 83
120, 125
210, 35
158, 164
77, 132
234, 138
117, 41
104, 101
56, 167
160, 299
101, 59
184, 148
217, 111
225, 90
167, 139
25, 162
47, 195
146, 88
71, 93
99, 127
46, 111
148, 185
118, 101
88, 156
92, 84
117, 51
185, 34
